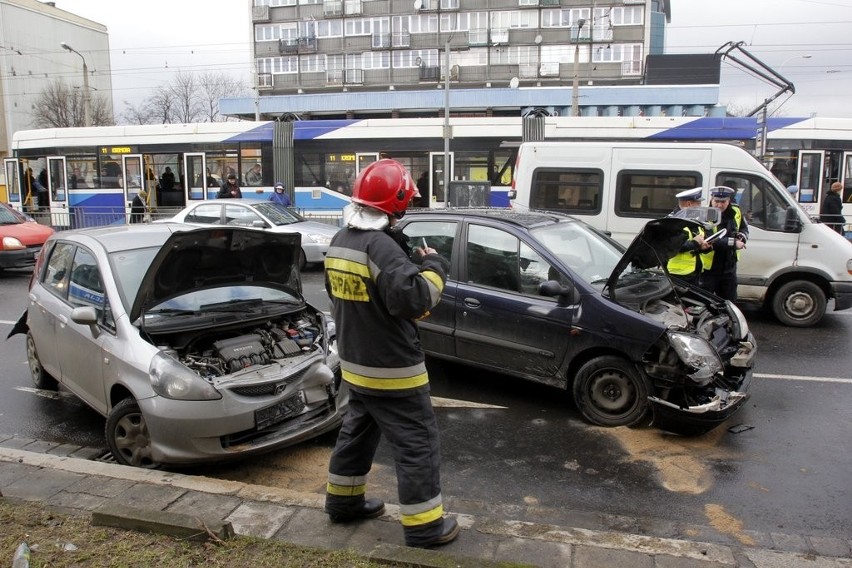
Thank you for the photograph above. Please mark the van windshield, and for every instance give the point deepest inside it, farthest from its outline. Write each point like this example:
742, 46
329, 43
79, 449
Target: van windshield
589, 254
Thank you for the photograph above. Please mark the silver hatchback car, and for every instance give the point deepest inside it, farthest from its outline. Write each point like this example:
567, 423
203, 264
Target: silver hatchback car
195, 344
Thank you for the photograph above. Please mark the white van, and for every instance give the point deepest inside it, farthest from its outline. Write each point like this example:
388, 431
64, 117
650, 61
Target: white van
792, 264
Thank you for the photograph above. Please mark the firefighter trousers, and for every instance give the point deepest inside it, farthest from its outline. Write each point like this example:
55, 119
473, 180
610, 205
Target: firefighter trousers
409, 425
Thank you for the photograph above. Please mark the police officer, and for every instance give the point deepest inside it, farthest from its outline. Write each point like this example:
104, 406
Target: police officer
720, 273
377, 294
688, 262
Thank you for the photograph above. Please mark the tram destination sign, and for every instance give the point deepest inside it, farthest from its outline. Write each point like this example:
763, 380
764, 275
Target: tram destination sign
110, 150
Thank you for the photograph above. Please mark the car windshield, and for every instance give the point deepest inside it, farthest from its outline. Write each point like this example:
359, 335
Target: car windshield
278, 214
590, 255
10, 217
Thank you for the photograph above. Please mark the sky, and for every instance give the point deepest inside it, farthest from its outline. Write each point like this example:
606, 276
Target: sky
807, 41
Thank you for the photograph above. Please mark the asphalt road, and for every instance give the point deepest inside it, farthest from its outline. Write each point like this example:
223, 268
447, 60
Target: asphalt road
522, 451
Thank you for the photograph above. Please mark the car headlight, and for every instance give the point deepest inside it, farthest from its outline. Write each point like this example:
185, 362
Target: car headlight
740, 330
320, 239
170, 379
698, 354
11, 243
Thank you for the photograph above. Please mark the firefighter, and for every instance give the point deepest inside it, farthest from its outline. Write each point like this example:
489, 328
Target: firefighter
687, 263
377, 293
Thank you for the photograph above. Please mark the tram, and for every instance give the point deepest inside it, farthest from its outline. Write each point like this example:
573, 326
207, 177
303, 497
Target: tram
91, 175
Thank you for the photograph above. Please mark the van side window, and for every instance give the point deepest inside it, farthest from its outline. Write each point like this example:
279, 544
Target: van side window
572, 191
758, 200
651, 193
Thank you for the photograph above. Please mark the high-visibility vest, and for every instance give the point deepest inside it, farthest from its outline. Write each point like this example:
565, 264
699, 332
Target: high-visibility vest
684, 263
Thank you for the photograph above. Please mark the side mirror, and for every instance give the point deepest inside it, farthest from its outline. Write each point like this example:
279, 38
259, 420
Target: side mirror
86, 315
552, 288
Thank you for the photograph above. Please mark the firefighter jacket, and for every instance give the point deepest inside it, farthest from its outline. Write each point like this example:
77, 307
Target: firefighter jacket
725, 254
377, 295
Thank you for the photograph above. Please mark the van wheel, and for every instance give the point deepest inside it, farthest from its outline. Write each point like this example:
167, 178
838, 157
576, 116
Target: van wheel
609, 391
799, 303
41, 378
127, 435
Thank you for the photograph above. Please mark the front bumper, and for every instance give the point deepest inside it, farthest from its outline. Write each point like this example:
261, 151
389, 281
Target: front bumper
842, 292
697, 420
23, 258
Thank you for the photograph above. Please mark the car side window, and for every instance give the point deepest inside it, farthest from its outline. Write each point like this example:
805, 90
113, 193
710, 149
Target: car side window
493, 258
58, 270
241, 216
439, 235
86, 287
207, 214
535, 270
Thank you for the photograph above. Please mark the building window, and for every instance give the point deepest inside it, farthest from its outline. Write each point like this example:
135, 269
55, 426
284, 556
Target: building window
375, 60
627, 15
312, 63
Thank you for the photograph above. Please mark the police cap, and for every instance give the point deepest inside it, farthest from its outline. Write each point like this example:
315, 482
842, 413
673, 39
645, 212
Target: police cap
722, 192
693, 194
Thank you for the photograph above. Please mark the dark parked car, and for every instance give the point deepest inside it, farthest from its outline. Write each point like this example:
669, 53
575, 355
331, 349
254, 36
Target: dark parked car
195, 344
545, 297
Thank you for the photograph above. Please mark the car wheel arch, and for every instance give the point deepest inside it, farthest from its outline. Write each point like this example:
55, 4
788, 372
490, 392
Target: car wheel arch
583, 379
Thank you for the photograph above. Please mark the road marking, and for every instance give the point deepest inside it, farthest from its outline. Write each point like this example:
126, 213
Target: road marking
803, 378
8, 322
53, 395
452, 403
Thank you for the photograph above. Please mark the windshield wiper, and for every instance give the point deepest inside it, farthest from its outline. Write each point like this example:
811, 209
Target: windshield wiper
170, 312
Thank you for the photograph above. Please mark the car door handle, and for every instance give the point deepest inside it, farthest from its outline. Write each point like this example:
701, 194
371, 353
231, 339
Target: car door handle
472, 303
62, 320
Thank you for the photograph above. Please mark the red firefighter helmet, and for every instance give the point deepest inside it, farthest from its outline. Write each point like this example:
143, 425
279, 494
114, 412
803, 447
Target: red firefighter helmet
385, 185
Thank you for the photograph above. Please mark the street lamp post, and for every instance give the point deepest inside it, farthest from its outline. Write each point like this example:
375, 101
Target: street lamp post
87, 97
575, 98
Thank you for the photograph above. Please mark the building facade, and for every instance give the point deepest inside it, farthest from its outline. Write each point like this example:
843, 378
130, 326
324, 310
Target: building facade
564, 54
32, 57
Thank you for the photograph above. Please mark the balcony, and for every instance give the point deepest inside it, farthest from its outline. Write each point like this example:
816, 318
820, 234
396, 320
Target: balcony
527, 71
548, 2
260, 14
352, 7
549, 70
381, 41
294, 45
430, 73
401, 39
264, 81
477, 37
334, 77
332, 8
354, 76
631, 68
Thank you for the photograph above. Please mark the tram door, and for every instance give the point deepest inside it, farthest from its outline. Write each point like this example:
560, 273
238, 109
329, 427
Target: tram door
57, 191
13, 183
809, 179
437, 192
133, 179
196, 178
846, 180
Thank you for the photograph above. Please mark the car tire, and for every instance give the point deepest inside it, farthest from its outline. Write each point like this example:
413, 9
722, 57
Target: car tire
127, 435
799, 303
609, 391
41, 378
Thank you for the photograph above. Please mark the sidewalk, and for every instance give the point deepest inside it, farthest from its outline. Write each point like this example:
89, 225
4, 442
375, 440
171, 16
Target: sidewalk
67, 477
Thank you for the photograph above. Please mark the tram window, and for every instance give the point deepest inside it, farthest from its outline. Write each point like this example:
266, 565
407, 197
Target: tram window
81, 171
109, 176
253, 172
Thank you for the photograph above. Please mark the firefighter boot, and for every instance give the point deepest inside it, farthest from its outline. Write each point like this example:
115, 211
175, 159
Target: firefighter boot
366, 509
442, 531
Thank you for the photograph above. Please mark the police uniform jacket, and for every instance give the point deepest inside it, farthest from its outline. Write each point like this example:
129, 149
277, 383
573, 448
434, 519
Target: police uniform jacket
724, 256
377, 295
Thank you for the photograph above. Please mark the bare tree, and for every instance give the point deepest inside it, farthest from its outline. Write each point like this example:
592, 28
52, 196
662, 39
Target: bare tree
140, 113
187, 107
61, 106
214, 86
161, 105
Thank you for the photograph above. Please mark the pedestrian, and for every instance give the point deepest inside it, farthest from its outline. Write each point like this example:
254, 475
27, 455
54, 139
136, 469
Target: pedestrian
377, 295
254, 176
279, 195
831, 212
421, 199
720, 264
138, 207
167, 180
231, 188
687, 264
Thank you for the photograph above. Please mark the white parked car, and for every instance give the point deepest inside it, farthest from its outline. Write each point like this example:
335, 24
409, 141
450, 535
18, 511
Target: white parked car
265, 215
195, 344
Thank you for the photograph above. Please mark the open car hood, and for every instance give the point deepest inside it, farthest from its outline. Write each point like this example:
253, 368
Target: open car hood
658, 242
220, 257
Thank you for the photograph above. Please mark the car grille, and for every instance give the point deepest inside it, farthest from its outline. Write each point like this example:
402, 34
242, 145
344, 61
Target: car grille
269, 389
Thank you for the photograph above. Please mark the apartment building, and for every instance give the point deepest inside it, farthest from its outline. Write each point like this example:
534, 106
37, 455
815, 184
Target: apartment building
392, 57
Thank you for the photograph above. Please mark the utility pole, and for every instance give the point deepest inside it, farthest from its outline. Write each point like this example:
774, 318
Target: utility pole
575, 98
87, 95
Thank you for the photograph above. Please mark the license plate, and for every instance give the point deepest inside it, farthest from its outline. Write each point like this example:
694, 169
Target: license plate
279, 412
